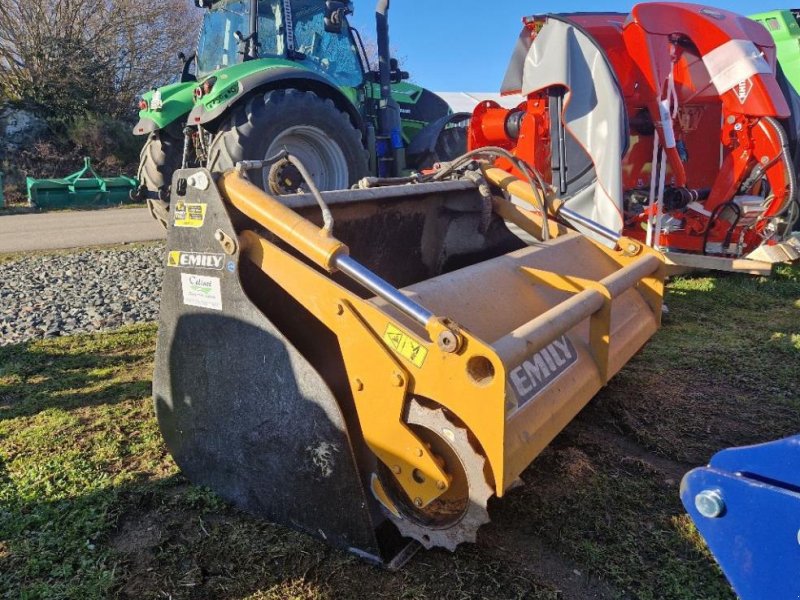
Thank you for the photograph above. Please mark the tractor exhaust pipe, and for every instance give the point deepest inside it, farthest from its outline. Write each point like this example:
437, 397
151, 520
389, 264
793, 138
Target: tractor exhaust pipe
384, 53
390, 149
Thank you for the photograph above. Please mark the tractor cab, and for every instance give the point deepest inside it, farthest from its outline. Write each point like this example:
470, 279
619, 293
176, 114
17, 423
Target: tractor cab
313, 33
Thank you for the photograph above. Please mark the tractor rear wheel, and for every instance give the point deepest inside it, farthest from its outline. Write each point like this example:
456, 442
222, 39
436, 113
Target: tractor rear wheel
307, 126
160, 157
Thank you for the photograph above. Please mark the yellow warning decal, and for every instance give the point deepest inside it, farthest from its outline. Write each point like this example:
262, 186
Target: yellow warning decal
405, 345
190, 215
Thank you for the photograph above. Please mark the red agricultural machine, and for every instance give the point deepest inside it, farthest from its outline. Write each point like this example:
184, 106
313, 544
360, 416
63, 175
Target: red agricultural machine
662, 125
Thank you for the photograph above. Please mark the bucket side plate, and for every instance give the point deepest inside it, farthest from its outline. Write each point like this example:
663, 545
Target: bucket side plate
241, 410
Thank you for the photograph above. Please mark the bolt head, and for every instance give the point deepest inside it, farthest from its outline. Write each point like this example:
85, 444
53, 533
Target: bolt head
418, 502
359, 385
397, 470
448, 342
219, 235
441, 485
339, 310
710, 504
398, 380
420, 452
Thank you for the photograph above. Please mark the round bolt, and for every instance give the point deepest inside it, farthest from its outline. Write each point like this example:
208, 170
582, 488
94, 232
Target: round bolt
339, 310
448, 341
764, 160
441, 485
418, 502
731, 120
397, 380
397, 470
710, 504
359, 385
199, 181
219, 235
420, 452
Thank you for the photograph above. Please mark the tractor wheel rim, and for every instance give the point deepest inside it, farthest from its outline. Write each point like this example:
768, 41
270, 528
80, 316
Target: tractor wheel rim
320, 154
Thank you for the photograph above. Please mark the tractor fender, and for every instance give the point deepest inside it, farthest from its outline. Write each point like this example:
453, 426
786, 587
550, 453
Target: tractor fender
425, 141
276, 78
174, 103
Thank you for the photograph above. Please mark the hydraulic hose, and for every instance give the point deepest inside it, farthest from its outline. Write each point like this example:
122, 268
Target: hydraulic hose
787, 164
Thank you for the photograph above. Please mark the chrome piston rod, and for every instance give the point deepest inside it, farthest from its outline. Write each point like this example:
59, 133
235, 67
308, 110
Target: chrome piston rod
572, 216
359, 273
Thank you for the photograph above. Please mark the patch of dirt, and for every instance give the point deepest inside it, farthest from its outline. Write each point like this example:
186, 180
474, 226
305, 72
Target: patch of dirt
687, 417
531, 555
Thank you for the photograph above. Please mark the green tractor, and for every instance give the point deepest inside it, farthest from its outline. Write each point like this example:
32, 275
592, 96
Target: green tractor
784, 28
293, 75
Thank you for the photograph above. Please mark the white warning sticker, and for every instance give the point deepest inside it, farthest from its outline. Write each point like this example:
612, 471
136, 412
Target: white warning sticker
201, 291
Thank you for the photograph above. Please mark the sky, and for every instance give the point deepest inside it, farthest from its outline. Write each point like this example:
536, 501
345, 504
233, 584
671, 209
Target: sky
465, 45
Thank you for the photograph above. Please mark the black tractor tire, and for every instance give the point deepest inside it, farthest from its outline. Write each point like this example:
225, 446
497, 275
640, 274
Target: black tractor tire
161, 156
254, 127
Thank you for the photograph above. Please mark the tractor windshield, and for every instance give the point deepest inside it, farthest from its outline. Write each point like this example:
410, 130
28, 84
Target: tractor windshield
334, 55
218, 47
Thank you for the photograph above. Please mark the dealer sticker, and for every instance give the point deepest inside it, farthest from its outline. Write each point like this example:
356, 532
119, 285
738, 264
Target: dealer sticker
196, 260
201, 291
190, 215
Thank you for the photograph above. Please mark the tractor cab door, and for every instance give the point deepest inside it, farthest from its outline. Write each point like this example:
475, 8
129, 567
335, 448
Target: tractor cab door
333, 55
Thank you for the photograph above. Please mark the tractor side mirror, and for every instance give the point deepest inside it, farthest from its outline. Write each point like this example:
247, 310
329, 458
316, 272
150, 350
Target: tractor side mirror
335, 12
396, 74
186, 62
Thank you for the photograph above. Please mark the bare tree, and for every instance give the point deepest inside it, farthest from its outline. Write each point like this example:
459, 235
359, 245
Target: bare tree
72, 56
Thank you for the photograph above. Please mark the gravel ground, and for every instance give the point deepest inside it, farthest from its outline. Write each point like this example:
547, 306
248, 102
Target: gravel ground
82, 291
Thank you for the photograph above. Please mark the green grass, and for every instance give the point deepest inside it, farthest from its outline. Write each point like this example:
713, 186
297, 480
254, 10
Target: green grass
92, 506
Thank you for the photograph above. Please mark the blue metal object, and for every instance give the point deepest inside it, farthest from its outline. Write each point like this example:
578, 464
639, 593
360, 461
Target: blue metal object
746, 505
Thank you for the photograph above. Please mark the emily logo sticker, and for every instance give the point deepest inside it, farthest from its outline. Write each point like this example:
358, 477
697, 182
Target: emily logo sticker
201, 291
542, 369
197, 260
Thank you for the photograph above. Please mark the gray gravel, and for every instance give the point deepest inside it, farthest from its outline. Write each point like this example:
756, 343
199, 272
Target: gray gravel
85, 291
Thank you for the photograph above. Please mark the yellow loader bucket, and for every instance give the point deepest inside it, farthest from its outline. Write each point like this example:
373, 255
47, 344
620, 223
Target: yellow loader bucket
379, 378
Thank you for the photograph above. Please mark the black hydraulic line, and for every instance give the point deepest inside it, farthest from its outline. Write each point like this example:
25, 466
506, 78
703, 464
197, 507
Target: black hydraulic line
713, 219
528, 172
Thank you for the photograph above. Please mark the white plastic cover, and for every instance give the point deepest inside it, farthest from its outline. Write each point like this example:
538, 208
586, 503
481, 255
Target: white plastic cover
733, 62
561, 54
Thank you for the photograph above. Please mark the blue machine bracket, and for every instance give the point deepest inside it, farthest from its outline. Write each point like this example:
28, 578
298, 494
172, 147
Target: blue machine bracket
746, 505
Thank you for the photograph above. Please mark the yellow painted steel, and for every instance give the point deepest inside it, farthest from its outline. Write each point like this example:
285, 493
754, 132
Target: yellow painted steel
379, 378
547, 293
280, 220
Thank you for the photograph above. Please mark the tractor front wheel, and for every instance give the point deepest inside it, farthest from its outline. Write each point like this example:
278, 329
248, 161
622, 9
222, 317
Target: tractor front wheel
307, 126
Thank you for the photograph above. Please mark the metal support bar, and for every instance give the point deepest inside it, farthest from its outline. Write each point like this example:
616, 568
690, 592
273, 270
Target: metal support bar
592, 300
537, 333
